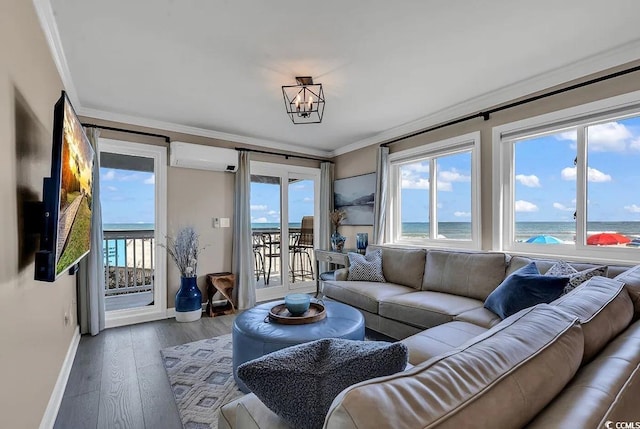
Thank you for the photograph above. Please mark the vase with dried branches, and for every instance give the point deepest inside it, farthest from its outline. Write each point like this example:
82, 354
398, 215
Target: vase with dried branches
184, 250
337, 239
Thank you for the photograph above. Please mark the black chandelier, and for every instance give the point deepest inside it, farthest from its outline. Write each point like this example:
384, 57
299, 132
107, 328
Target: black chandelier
304, 101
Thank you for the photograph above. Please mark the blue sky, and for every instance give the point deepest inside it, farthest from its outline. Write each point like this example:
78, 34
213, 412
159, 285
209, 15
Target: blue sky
545, 189
265, 202
126, 196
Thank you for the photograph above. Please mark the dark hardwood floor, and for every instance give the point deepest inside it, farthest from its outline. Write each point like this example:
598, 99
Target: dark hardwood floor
118, 381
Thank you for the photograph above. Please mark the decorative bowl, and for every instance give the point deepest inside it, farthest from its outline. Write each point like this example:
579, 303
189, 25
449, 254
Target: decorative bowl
297, 303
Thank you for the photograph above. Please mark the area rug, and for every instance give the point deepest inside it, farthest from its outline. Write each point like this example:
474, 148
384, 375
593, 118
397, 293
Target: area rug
201, 377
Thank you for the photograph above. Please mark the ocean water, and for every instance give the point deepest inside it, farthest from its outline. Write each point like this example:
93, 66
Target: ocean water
564, 231
109, 246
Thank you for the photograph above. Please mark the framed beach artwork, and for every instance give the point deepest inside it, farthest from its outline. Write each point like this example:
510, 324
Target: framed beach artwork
355, 196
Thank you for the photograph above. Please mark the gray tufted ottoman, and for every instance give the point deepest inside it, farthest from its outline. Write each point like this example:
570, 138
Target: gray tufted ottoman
253, 337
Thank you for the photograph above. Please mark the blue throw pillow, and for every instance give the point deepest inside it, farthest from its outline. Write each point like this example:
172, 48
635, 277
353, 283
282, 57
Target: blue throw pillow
524, 288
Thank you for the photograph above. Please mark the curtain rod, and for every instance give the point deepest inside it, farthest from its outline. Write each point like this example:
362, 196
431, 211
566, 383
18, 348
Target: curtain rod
241, 149
122, 130
487, 113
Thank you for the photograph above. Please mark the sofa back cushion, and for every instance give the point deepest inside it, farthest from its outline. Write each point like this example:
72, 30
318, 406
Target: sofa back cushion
631, 279
403, 266
501, 379
474, 275
604, 309
516, 262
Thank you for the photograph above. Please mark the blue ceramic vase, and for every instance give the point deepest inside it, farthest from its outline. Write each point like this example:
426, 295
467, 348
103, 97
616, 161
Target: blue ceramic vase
337, 241
188, 300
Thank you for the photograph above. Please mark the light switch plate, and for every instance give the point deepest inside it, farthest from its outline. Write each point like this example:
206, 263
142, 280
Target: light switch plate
224, 222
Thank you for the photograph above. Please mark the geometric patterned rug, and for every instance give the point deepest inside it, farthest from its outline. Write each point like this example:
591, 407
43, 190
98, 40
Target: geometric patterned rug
201, 377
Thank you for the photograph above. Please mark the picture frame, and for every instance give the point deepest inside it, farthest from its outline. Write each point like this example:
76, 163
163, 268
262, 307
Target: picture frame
356, 197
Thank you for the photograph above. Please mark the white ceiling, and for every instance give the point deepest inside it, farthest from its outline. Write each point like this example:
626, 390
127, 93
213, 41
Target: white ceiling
387, 67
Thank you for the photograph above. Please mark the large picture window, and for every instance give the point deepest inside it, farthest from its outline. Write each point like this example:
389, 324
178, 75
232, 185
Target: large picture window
434, 194
567, 182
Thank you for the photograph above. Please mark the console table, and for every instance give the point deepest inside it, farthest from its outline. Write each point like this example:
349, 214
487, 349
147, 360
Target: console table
333, 257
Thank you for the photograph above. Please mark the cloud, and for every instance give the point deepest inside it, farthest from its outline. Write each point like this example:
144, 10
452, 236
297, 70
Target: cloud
530, 181
632, 208
462, 214
562, 207
525, 206
453, 175
109, 175
422, 167
272, 212
151, 180
415, 183
307, 199
259, 219
635, 144
258, 207
111, 188
594, 175
609, 137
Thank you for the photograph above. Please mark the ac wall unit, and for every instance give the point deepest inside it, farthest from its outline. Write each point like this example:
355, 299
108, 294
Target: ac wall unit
189, 155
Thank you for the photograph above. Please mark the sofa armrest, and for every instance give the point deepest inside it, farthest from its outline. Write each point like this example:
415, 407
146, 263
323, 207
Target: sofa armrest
342, 274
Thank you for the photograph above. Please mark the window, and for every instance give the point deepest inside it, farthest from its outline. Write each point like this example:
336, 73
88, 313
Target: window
567, 182
434, 194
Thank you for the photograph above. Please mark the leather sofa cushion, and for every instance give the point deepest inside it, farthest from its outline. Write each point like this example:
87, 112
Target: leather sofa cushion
604, 309
631, 279
524, 362
425, 309
474, 275
363, 295
607, 388
479, 316
440, 339
403, 266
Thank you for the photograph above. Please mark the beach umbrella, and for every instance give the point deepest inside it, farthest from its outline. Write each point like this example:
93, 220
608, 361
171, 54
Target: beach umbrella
544, 239
607, 239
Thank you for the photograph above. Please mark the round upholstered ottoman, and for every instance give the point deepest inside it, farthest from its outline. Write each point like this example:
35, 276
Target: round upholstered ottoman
253, 337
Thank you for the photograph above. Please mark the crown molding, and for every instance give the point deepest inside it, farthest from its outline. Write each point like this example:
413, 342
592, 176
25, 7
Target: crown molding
596, 63
50, 28
196, 131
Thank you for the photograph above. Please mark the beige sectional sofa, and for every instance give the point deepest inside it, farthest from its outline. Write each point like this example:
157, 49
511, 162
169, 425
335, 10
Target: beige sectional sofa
572, 363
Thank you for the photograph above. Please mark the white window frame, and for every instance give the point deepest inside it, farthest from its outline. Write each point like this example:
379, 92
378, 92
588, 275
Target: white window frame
459, 144
504, 138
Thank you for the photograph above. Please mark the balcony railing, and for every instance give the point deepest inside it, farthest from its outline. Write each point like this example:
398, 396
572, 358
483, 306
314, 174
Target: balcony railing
129, 261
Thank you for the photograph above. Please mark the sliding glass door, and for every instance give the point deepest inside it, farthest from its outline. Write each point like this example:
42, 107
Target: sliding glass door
283, 209
133, 199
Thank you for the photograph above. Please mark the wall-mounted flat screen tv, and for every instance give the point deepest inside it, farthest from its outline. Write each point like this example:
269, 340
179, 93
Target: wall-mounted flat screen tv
68, 196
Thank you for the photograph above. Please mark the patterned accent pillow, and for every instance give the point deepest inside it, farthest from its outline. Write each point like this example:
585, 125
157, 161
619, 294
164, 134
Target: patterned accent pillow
576, 278
299, 383
561, 268
366, 267
582, 276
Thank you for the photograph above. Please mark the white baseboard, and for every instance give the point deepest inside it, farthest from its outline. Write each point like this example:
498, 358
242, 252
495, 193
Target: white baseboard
51, 412
129, 318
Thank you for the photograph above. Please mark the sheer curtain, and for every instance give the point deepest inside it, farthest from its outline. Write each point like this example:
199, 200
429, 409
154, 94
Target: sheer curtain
90, 277
326, 206
242, 261
382, 195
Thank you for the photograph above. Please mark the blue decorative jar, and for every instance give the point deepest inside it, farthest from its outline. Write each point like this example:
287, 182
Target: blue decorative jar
337, 241
188, 300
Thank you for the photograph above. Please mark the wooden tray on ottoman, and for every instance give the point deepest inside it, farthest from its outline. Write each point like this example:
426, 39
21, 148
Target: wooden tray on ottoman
280, 314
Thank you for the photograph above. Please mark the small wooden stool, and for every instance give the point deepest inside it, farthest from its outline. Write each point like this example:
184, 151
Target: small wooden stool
223, 283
